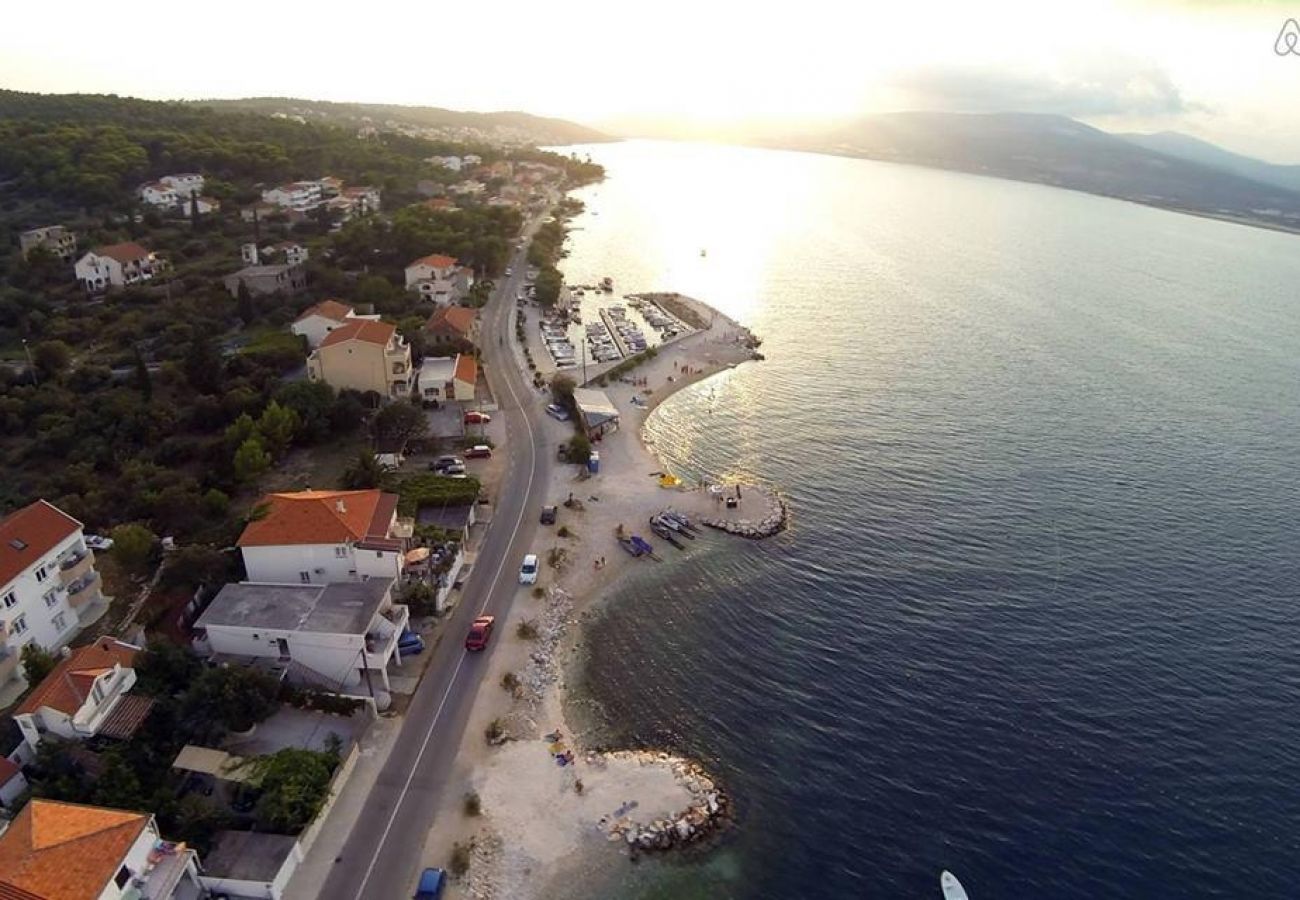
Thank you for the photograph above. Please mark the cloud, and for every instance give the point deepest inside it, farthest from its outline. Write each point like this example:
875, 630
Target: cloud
1099, 89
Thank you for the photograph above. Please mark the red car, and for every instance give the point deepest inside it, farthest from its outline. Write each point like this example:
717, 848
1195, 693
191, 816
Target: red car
477, 418
479, 451
479, 632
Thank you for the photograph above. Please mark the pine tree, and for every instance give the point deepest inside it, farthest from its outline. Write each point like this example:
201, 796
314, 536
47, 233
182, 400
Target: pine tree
143, 380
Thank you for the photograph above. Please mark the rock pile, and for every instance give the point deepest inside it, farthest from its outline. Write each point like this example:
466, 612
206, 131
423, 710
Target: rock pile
543, 667
773, 520
703, 816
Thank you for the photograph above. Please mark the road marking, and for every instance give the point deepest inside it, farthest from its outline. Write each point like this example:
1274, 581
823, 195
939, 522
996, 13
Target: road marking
424, 745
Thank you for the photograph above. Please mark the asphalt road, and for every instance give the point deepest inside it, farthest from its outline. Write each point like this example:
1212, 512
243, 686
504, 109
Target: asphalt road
382, 856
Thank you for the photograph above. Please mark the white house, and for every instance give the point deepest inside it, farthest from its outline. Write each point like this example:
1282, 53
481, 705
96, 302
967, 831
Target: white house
365, 199
336, 636
438, 278
184, 184
47, 579
319, 320
294, 253
86, 695
319, 537
70, 851
116, 265
155, 193
472, 159
13, 784
58, 240
296, 195
446, 162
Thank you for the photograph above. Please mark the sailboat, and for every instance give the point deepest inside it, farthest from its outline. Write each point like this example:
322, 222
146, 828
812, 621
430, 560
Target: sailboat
952, 889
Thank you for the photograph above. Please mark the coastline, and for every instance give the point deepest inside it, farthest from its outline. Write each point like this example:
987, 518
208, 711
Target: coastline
533, 825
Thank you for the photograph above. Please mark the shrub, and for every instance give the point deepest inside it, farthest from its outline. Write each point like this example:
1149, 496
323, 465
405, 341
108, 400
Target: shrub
495, 732
539, 592
473, 805
460, 856
526, 630
510, 682
563, 531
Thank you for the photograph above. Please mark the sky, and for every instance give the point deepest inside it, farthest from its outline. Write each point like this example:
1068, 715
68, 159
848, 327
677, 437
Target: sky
1205, 67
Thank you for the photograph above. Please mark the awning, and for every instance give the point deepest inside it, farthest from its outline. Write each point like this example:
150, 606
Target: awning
419, 554
128, 714
217, 763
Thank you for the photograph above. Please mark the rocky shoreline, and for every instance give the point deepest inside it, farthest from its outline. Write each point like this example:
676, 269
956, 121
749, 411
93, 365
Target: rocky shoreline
707, 812
774, 520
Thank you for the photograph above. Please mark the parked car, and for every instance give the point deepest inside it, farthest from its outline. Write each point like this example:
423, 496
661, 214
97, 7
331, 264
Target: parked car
446, 465
509, 271
528, 571
548, 515
95, 542
474, 417
479, 451
556, 411
431, 884
480, 632
410, 643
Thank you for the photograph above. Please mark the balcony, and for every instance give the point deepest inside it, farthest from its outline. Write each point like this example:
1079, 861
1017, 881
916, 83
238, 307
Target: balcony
75, 565
385, 629
166, 878
83, 590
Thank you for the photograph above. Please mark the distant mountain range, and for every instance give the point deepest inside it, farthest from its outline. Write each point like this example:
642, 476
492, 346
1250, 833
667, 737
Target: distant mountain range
511, 127
1167, 170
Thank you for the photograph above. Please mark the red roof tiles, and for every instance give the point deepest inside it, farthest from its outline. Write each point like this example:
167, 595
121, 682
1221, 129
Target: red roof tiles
320, 517
28, 534
68, 684
65, 851
361, 330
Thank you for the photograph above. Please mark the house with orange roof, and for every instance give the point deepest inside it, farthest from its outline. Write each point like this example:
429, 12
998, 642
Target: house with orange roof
86, 694
116, 265
295, 195
13, 784
318, 320
69, 851
48, 582
438, 278
363, 355
318, 537
452, 325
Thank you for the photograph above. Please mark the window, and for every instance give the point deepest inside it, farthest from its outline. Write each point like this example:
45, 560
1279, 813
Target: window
305, 577
41, 574
340, 552
97, 691
51, 597
11, 599
60, 622
18, 625
122, 877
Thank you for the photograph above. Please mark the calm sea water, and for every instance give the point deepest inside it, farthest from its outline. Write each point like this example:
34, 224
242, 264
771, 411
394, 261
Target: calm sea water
1036, 619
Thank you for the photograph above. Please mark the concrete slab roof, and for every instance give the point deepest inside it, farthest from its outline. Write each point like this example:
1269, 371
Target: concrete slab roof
342, 608
248, 855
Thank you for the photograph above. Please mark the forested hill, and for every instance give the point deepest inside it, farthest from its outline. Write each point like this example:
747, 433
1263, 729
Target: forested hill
511, 127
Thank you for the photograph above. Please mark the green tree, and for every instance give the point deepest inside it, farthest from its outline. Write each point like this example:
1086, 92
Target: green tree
134, 546
244, 302
312, 401
37, 662
203, 364
251, 460
164, 669
240, 430
363, 473
143, 380
276, 426
196, 564
234, 698
295, 784
51, 358
400, 421
216, 503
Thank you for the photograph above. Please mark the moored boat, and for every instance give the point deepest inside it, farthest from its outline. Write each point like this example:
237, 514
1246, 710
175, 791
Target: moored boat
952, 889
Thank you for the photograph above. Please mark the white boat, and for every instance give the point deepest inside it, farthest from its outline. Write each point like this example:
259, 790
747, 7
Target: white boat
952, 889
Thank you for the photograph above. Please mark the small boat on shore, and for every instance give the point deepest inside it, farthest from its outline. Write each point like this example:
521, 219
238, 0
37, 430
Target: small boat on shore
952, 889
630, 547
643, 545
668, 520
680, 519
665, 532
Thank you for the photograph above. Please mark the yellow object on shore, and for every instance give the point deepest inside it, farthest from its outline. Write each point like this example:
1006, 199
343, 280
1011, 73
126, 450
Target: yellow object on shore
669, 481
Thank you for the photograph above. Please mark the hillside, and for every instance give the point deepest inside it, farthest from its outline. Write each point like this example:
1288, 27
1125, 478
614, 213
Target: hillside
512, 128
1184, 146
1059, 151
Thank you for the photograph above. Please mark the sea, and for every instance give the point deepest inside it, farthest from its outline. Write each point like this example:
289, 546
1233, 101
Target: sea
1036, 620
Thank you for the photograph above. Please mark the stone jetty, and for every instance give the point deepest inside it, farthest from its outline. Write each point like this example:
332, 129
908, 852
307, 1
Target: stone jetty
707, 812
773, 519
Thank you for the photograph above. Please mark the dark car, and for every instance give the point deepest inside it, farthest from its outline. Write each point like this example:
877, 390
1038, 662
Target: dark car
479, 633
447, 465
548, 515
